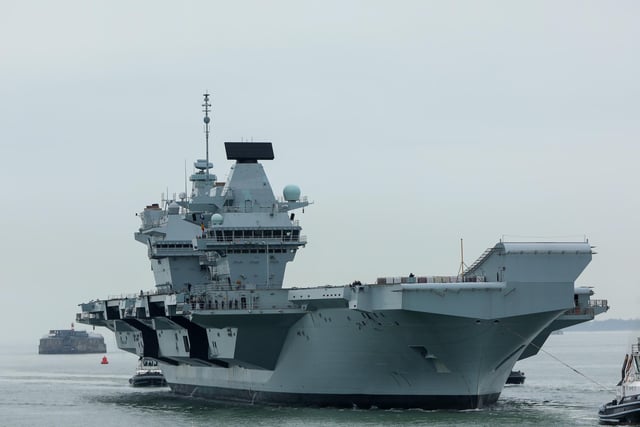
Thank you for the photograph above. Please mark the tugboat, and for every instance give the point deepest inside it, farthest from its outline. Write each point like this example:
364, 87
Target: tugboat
148, 374
625, 408
516, 377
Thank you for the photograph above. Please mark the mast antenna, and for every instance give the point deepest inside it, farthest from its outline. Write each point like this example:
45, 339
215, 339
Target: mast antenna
207, 120
463, 266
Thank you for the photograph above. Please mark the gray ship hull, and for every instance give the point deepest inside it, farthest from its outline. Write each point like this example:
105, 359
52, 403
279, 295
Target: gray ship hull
386, 359
426, 345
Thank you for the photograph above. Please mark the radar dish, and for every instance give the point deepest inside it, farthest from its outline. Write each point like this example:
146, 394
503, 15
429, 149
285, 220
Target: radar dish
216, 219
291, 193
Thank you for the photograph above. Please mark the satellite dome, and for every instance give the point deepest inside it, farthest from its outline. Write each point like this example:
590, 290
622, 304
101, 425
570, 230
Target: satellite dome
291, 193
174, 208
216, 219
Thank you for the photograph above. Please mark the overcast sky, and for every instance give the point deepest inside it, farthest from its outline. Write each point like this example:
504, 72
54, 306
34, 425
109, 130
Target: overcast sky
411, 125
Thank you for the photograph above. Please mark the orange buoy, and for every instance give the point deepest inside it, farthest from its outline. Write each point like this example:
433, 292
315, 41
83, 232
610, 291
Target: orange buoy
104, 360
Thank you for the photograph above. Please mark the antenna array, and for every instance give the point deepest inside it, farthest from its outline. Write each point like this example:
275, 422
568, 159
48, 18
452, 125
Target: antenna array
206, 108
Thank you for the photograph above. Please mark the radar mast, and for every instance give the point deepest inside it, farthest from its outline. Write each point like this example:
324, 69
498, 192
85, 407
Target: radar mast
207, 120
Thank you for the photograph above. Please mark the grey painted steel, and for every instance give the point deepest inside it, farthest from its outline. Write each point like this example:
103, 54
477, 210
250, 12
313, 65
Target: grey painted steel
223, 327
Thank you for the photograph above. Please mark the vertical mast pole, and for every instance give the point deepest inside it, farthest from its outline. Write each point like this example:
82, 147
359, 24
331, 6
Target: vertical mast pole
207, 120
463, 266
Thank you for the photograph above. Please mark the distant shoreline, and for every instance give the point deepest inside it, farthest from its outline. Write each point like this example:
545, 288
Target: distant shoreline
606, 325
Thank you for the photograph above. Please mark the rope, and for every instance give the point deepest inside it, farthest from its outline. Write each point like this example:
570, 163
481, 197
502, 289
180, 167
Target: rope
605, 388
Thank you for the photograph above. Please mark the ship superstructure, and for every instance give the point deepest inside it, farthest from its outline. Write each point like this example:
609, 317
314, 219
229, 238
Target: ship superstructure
222, 326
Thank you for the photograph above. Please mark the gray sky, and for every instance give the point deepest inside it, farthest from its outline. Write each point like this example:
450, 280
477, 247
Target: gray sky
410, 124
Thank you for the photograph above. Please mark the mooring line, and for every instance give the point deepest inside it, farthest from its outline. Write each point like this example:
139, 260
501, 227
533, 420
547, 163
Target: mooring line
558, 360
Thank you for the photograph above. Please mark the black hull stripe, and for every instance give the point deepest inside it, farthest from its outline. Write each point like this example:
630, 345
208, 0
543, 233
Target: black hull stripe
337, 400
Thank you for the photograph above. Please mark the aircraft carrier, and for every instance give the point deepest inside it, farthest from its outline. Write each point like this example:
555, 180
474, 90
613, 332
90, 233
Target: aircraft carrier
223, 327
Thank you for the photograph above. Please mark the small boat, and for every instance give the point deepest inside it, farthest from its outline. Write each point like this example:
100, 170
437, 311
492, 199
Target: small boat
148, 374
516, 377
625, 408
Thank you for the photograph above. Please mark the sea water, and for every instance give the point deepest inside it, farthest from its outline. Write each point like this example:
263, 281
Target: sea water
565, 384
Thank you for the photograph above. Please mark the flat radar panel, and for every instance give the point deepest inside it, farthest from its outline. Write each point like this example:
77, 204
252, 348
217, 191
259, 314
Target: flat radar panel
249, 152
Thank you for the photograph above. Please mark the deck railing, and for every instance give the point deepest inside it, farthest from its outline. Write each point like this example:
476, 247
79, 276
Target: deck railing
429, 279
598, 303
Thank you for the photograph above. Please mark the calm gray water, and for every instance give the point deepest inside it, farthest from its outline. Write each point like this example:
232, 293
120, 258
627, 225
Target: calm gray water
76, 390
